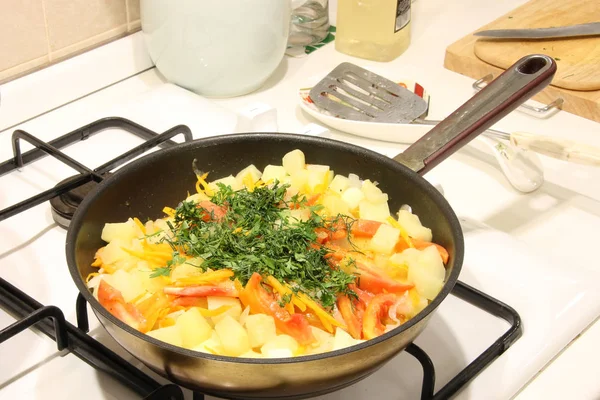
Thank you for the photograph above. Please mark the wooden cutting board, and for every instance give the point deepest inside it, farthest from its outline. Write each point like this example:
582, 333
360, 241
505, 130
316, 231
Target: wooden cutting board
577, 80
578, 59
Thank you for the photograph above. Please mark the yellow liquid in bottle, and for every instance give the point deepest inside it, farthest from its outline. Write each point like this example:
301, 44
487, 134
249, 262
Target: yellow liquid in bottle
367, 29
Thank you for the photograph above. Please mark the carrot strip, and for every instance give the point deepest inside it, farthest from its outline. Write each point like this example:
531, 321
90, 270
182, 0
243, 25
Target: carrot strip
327, 320
205, 278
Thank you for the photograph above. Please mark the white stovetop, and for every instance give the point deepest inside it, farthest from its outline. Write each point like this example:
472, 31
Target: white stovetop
557, 223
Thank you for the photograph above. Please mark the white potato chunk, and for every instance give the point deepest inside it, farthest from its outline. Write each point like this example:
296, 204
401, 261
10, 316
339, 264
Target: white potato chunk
339, 184
335, 205
318, 179
142, 274
413, 227
353, 196
125, 231
317, 167
376, 212
169, 335
249, 175
280, 346
342, 339
234, 311
385, 239
294, 161
425, 269
273, 173
300, 214
160, 229
261, 329
197, 197
298, 181
212, 345
372, 193
251, 354
233, 336
185, 270
324, 342
354, 181
227, 181
113, 252
193, 328
126, 283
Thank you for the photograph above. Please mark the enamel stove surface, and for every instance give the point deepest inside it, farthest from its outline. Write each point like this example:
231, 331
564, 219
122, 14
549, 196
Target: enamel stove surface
32, 258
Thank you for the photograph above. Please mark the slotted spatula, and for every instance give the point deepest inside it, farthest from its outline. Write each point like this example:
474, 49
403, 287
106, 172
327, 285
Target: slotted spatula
352, 92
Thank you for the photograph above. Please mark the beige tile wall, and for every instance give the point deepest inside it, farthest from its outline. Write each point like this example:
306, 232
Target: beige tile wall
37, 33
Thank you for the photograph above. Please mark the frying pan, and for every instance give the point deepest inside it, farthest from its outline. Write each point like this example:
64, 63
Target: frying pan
142, 188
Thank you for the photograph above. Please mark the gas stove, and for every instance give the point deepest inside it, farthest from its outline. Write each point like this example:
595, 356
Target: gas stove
500, 327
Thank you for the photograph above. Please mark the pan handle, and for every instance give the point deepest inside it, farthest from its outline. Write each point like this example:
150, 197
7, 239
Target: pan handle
516, 85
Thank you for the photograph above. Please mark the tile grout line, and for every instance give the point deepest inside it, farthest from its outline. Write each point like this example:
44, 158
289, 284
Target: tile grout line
47, 30
127, 13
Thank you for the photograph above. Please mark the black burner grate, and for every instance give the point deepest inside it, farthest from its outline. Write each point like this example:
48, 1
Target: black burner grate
67, 189
30, 313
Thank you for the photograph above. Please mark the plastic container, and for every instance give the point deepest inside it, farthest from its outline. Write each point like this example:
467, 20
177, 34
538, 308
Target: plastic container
376, 30
217, 48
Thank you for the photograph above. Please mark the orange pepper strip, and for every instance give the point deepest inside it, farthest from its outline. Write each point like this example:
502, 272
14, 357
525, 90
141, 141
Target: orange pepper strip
327, 320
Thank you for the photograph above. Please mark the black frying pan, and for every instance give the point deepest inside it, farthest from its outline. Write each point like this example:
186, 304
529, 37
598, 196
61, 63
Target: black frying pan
144, 187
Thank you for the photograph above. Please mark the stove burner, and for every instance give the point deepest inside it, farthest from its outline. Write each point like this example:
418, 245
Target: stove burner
64, 206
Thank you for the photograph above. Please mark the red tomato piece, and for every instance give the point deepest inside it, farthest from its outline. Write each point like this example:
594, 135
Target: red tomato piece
376, 283
201, 291
365, 228
261, 301
352, 312
213, 212
113, 301
376, 312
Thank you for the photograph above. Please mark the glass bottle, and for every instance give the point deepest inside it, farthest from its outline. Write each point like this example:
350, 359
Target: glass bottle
377, 30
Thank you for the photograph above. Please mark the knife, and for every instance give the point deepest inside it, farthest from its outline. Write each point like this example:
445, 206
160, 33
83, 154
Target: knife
590, 29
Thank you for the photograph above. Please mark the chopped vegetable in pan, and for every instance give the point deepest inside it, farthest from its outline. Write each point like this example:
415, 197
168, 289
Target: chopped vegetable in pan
288, 261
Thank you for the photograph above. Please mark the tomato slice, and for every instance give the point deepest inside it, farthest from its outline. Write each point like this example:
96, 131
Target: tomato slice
365, 228
352, 312
261, 301
335, 230
364, 296
376, 282
201, 291
113, 301
212, 211
375, 313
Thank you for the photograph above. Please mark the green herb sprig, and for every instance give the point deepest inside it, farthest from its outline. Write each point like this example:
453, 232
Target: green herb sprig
257, 234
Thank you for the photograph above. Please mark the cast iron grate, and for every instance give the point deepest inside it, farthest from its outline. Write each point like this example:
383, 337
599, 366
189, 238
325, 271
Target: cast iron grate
50, 320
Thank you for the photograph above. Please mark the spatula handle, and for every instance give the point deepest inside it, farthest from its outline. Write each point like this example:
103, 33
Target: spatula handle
516, 85
562, 149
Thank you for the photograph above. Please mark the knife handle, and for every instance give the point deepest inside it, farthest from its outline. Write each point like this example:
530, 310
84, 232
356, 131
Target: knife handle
562, 149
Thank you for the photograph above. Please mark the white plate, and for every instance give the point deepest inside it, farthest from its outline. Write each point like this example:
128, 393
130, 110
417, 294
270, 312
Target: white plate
397, 133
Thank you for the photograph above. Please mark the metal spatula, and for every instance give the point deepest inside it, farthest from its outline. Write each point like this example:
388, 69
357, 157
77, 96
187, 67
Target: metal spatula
352, 92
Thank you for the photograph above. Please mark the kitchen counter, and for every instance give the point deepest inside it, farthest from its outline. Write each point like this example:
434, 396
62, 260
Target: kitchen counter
559, 220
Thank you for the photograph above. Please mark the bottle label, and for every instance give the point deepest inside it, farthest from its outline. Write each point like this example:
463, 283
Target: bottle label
402, 14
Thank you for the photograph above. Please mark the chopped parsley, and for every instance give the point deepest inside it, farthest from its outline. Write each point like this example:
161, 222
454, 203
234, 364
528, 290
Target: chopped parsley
259, 234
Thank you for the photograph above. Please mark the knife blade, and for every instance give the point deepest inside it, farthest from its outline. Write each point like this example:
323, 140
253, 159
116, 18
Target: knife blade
590, 29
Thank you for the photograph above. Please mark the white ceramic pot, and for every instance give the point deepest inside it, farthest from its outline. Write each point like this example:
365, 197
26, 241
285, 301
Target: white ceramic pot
216, 48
